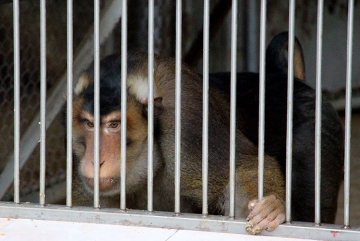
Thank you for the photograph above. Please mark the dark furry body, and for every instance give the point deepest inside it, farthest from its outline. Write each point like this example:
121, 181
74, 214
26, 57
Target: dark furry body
303, 174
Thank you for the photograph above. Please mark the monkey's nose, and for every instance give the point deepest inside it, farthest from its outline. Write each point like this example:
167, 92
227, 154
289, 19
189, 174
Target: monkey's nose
100, 164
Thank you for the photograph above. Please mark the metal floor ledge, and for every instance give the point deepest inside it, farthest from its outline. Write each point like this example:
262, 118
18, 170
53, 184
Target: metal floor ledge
28, 229
55, 221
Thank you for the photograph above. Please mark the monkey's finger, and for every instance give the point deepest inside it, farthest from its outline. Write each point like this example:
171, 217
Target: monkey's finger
271, 222
266, 206
267, 213
252, 229
260, 212
271, 226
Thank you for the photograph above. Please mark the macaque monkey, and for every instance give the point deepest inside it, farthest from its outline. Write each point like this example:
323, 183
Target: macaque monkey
264, 214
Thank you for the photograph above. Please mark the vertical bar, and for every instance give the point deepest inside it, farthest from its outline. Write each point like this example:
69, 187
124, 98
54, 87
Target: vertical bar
262, 99
289, 126
178, 105
205, 147
350, 29
16, 101
233, 106
151, 105
42, 99
318, 113
69, 109
96, 103
123, 104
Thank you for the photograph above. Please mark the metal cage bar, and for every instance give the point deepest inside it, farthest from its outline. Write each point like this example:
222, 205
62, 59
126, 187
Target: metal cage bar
124, 21
96, 104
178, 105
69, 108
318, 112
289, 117
261, 99
16, 17
350, 28
151, 106
205, 127
233, 107
42, 100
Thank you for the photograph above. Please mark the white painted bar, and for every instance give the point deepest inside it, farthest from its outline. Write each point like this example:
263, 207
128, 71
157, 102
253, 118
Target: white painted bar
347, 152
151, 106
178, 105
16, 17
69, 108
96, 104
124, 29
261, 134
318, 112
205, 128
289, 120
234, 12
42, 100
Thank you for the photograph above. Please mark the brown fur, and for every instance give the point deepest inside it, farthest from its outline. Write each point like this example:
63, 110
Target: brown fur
191, 143
266, 213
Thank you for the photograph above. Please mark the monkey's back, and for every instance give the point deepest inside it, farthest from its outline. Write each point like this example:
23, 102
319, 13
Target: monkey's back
304, 97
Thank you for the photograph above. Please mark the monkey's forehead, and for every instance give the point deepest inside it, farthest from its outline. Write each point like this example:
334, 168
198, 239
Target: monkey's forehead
110, 99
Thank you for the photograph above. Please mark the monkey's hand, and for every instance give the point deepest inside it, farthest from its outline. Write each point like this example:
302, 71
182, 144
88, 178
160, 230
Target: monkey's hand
266, 214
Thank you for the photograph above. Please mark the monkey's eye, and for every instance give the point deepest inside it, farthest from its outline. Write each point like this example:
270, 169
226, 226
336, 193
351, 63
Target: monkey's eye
114, 125
89, 124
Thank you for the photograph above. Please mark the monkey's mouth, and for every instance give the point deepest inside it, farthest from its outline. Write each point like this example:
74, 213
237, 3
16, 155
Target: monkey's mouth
105, 184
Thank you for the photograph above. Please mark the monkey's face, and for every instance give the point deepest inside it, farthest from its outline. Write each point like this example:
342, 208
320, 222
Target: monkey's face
110, 126
110, 151
110, 139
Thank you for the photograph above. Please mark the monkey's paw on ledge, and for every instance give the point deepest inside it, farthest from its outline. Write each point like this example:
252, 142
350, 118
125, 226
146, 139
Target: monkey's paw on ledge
266, 214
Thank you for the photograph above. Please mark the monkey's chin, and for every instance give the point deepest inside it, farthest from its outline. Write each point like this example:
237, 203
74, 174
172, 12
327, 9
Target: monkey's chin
107, 186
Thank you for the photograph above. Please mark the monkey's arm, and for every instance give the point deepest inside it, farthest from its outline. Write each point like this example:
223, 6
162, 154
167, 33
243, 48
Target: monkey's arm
269, 212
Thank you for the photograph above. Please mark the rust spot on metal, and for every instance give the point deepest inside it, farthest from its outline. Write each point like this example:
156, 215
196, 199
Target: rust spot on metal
334, 233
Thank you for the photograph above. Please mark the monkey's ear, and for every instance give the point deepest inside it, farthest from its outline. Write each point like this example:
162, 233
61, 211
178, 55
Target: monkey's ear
158, 107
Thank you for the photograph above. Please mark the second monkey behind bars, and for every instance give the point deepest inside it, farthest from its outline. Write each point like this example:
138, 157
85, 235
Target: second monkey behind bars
264, 214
